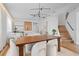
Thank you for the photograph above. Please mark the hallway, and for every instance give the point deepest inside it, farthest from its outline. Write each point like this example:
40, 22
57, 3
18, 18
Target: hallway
67, 40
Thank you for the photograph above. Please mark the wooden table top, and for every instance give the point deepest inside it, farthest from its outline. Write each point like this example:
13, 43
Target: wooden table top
33, 39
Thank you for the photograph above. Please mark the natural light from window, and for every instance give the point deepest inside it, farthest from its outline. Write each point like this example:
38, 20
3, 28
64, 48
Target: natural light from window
9, 24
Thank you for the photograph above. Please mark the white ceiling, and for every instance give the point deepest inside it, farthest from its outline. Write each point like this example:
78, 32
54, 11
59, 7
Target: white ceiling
22, 10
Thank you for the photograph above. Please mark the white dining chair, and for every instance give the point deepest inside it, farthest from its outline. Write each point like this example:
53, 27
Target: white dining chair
51, 48
39, 49
28, 47
13, 50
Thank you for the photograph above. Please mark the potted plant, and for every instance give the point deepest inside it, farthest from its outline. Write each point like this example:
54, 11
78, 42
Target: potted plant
54, 31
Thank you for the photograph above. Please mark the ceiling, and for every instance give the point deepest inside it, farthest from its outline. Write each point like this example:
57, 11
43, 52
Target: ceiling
23, 10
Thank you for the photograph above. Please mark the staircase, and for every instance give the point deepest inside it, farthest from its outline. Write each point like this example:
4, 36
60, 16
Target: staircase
67, 41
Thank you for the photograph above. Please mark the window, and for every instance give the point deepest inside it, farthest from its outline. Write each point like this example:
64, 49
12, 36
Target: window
9, 24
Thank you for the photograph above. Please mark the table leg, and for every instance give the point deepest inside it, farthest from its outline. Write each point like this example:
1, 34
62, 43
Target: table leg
46, 47
58, 44
21, 50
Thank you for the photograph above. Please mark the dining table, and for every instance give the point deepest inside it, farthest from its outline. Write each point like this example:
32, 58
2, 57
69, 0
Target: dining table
20, 42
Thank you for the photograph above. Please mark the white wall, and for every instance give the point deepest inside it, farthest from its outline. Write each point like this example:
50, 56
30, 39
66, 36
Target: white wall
35, 27
61, 19
77, 28
3, 30
42, 26
46, 25
0, 30
52, 23
73, 21
9, 24
20, 24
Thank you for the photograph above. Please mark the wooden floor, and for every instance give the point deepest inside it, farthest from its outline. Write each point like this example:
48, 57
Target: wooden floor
4, 51
67, 40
